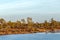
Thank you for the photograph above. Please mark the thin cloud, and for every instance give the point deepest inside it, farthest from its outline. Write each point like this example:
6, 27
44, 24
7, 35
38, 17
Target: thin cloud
30, 6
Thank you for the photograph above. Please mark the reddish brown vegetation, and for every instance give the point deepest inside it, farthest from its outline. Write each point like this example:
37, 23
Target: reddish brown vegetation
21, 27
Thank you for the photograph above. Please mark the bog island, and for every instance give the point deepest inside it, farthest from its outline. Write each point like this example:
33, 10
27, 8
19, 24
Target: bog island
23, 27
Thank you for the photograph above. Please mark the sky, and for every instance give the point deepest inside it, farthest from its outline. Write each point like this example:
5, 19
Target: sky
37, 9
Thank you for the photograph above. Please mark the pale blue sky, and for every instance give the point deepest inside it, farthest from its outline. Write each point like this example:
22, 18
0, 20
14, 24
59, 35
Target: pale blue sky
31, 8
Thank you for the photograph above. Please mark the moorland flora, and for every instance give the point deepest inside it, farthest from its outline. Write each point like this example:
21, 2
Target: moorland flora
23, 27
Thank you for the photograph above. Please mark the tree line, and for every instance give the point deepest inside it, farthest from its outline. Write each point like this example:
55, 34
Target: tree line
30, 26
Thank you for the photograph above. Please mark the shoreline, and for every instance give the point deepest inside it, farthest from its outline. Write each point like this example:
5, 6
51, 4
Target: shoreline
29, 33
21, 27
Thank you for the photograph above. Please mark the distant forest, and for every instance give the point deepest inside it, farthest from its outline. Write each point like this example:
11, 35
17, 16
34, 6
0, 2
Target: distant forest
21, 27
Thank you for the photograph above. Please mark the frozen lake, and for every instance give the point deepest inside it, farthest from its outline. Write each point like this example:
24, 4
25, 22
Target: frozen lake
37, 36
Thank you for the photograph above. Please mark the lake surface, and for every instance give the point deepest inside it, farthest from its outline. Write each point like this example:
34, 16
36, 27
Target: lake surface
36, 36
